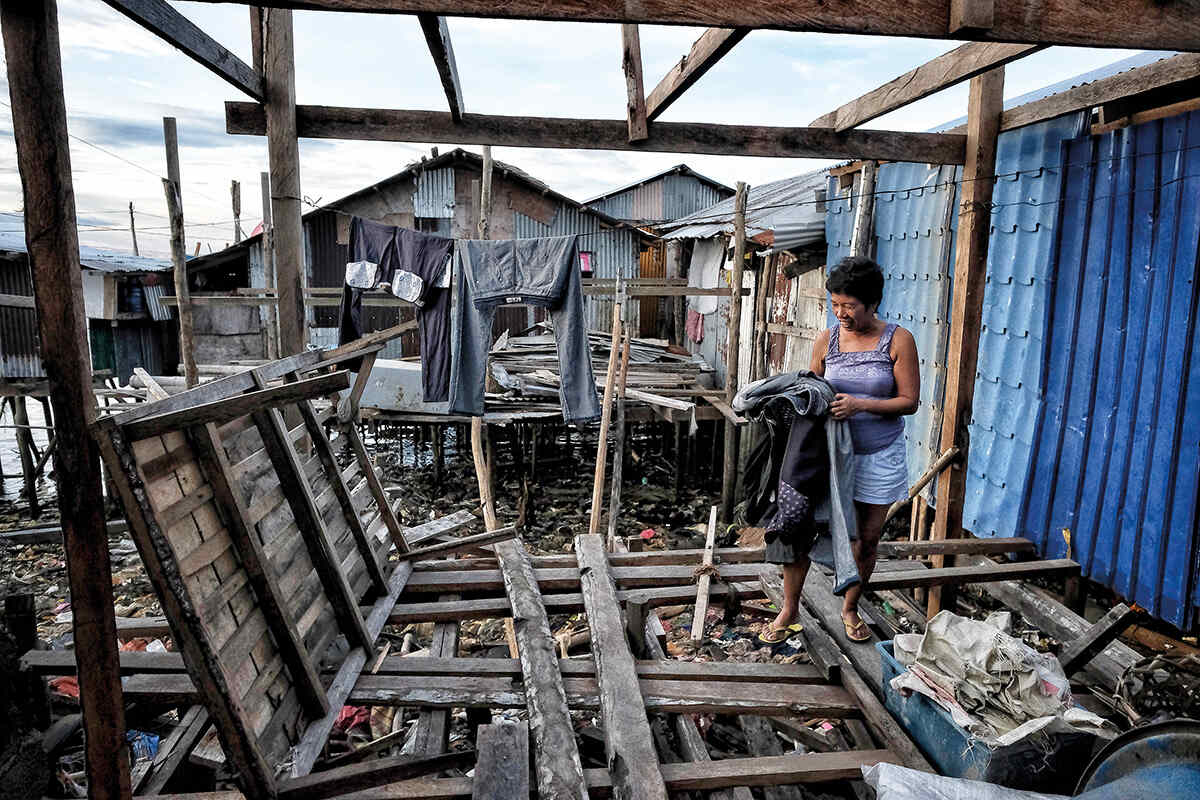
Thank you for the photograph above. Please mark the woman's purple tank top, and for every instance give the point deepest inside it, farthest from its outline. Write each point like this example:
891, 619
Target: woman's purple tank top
865, 374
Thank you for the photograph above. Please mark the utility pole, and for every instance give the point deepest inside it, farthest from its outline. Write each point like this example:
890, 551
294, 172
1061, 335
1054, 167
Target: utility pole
235, 190
133, 229
171, 188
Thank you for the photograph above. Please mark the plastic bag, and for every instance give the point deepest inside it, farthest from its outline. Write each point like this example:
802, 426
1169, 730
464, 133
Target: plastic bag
894, 782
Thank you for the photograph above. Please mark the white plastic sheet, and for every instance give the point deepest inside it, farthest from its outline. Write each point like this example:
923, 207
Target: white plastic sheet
894, 782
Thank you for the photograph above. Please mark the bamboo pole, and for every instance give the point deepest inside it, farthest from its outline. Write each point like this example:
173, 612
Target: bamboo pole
614, 500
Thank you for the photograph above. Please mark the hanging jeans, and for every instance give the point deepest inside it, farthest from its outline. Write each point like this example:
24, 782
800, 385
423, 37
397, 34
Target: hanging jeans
540, 272
395, 251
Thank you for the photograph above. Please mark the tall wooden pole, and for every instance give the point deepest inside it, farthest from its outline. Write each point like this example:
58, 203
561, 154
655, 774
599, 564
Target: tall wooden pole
610, 382
283, 150
172, 190
984, 105
235, 194
614, 497
133, 229
733, 347
860, 238
31, 48
483, 466
268, 259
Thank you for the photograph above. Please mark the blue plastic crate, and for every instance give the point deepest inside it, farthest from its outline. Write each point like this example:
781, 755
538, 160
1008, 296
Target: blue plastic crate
949, 748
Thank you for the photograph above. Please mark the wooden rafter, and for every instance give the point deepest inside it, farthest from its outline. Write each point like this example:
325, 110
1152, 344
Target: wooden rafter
631, 65
706, 51
437, 35
162, 20
1149, 24
332, 122
960, 64
1160, 74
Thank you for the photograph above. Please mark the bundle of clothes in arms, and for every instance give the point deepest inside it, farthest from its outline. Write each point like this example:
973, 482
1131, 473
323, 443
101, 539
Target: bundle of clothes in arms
456, 286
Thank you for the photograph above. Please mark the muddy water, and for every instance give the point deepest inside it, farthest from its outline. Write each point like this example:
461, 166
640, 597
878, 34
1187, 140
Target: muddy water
13, 504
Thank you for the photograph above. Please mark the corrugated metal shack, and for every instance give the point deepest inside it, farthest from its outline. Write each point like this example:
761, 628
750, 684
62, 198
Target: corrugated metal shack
665, 196
438, 195
785, 229
121, 299
1085, 431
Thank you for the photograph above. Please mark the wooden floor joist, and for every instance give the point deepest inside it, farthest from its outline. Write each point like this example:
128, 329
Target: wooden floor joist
632, 760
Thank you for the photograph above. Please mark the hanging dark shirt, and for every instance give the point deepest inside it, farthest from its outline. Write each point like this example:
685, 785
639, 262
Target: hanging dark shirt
426, 256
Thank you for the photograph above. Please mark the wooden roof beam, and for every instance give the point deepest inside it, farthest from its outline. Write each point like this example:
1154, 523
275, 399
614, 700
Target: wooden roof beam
1147, 24
174, 28
631, 65
706, 51
960, 64
1160, 74
331, 122
437, 35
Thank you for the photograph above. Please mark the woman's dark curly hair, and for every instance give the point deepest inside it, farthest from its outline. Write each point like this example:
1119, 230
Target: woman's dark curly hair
859, 277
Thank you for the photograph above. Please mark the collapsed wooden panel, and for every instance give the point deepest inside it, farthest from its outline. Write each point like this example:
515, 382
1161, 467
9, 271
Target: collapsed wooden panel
255, 596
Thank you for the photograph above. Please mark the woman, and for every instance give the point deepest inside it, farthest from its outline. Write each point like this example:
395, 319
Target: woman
872, 365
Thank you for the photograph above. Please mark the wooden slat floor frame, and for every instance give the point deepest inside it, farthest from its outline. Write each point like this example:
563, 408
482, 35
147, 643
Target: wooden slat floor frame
213, 487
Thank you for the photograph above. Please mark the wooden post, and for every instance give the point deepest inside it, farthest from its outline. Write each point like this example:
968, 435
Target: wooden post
733, 345
614, 498
483, 467
970, 271
25, 450
860, 240
606, 411
31, 48
702, 586
283, 150
235, 192
133, 229
485, 192
171, 189
631, 65
268, 258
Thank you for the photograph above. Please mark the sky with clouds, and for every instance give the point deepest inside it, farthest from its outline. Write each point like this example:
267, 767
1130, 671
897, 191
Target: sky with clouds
121, 81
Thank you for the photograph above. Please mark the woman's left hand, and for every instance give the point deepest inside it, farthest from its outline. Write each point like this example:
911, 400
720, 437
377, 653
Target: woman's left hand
844, 406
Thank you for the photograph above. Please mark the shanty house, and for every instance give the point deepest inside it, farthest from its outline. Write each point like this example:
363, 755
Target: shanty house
665, 196
1086, 411
438, 195
785, 231
128, 325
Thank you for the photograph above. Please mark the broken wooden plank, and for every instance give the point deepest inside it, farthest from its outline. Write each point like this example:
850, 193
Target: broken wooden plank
705, 580
705, 52
560, 578
762, 741
564, 603
991, 572
174, 749
628, 744
443, 526
502, 767
228, 408
1079, 652
460, 545
377, 772
559, 771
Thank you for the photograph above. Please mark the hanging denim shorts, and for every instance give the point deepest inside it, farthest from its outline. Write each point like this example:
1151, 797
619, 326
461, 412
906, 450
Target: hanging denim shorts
881, 478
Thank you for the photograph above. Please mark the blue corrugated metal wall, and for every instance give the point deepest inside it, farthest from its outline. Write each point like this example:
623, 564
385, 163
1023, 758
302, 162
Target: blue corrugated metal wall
909, 228
1118, 437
